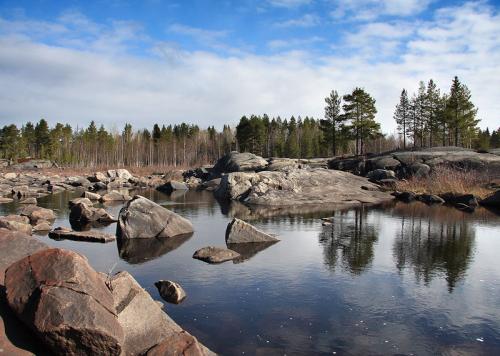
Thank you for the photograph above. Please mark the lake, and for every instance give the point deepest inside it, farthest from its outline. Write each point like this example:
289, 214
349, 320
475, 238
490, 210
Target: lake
398, 279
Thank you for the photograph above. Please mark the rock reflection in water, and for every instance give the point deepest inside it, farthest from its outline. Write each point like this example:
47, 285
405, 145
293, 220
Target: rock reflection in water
349, 241
438, 242
136, 251
249, 250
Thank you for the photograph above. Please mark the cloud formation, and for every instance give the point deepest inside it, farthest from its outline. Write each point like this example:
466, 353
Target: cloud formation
75, 70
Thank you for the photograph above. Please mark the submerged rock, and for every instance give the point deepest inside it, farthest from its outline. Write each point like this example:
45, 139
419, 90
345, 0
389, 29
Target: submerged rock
58, 295
238, 231
212, 254
143, 218
170, 291
88, 236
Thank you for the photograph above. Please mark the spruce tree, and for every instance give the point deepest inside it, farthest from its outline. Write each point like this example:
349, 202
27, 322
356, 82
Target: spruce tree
42, 139
333, 120
462, 113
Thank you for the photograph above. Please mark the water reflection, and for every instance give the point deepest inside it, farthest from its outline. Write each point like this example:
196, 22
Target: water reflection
349, 241
136, 251
248, 250
431, 244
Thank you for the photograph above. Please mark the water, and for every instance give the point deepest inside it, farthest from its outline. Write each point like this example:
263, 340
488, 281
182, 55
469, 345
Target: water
400, 279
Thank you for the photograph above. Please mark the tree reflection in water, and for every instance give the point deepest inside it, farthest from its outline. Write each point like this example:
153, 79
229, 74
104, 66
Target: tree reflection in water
349, 241
439, 242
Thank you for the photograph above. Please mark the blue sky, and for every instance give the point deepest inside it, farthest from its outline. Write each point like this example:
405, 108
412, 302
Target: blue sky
210, 62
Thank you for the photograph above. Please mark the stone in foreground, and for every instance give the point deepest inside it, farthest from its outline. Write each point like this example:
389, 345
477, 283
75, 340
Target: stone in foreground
180, 343
170, 291
88, 236
212, 254
142, 218
238, 231
58, 295
145, 324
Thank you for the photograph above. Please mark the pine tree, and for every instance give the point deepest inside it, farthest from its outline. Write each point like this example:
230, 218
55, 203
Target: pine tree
292, 144
431, 110
462, 113
402, 115
360, 109
42, 139
331, 125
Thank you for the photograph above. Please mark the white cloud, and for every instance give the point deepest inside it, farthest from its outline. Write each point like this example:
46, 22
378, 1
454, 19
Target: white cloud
308, 20
83, 83
365, 10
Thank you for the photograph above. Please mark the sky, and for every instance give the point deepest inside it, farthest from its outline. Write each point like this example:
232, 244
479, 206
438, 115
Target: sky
210, 62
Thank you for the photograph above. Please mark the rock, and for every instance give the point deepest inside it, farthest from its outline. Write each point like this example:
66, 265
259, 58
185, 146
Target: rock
282, 164
88, 236
76, 201
6, 200
84, 213
430, 199
28, 201
248, 250
170, 291
35, 213
180, 343
115, 195
99, 177
238, 231
123, 174
118, 183
212, 254
142, 218
10, 175
111, 173
65, 302
42, 226
193, 183
100, 186
211, 184
385, 163
144, 323
465, 207
171, 186
79, 182
240, 162
492, 200
16, 223
465, 199
300, 187
91, 196
419, 170
406, 197
379, 174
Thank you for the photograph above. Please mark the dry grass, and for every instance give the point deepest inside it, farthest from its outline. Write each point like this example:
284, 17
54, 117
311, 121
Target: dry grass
448, 180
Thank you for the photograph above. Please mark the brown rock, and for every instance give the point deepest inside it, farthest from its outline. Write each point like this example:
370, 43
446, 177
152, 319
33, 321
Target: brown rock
212, 254
88, 236
177, 344
115, 195
35, 213
238, 231
84, 213
170, 291
57, 294
16, 223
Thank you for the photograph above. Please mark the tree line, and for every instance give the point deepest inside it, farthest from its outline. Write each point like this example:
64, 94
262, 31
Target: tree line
349, 126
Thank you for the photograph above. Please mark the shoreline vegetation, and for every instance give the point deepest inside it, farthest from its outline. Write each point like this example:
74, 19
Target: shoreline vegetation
426, 119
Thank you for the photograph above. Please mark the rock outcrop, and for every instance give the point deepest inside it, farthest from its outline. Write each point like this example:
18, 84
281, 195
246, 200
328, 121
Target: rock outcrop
300, 187
171, 292
142, 218
65, 302
238, 232
240, 162
212, 254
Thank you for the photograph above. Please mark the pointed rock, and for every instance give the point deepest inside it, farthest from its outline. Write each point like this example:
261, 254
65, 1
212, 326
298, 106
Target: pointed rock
239, 231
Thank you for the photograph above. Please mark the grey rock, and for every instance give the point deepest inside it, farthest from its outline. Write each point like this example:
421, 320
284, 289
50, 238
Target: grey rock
31, 200
84, 213
172, 185
170, 291
91, 196
406, 197
142, 218
115, 195
238, 231
379, 174
240, 162
430, 199
212, 254
36, 213
16, 223
61, 233
81, 200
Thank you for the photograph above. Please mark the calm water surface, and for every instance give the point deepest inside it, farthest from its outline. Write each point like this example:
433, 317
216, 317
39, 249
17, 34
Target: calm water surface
403, 279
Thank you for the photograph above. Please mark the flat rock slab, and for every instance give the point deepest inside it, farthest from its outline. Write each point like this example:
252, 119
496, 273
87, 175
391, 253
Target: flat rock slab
238, 231
300, 187
88, 236
212, 254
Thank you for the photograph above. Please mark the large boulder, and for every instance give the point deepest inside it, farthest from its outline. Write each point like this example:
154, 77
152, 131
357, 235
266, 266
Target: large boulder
36, 213
65, 302
16, 223
301, 187
211, 254
170, 291
84, 213
238, 231
240, 162
143, 321
143, 218
181, 343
